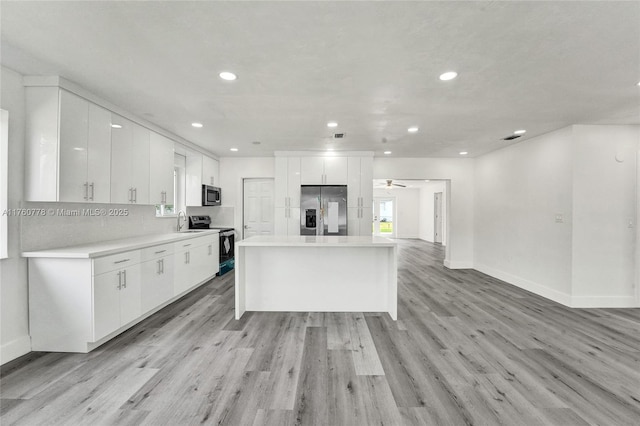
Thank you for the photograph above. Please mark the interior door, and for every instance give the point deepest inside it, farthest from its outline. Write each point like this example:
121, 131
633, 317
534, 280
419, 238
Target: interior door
258, 207
383, 217
437, 217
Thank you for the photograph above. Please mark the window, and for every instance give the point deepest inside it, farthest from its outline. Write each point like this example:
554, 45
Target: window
171, 209
4, 177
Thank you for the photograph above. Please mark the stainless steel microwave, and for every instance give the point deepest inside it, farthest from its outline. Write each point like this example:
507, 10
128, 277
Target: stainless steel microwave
211, 195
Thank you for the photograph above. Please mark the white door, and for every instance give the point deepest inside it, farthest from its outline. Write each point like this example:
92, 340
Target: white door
258, 207
437, 217
384, 217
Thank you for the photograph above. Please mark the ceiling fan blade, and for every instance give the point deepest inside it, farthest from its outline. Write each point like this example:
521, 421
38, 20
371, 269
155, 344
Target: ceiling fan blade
397, 184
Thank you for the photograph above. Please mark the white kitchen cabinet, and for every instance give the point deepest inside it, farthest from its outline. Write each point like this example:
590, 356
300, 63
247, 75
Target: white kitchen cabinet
157, 276
77, 302
68, 141
210, 171
161, 159
323, 170
359, 195
287, 221
129, 162
359, 221
195, 261
117, 299
193, 178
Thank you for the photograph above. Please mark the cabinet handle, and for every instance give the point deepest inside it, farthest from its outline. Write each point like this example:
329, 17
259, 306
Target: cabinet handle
162, 263
131, 195
210, 250
124, 274
119, 280
92, 186
86, 190
161, 251
135, 195
186, 257
186, 245
211, 180
121, 261
158, 271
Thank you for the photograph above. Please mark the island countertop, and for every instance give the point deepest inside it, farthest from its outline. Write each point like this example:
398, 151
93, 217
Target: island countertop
315, 240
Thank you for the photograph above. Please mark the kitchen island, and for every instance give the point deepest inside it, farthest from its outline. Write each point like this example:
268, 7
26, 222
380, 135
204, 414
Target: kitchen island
316, 274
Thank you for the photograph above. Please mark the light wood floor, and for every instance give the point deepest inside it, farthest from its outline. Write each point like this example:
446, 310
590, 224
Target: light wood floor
467, 349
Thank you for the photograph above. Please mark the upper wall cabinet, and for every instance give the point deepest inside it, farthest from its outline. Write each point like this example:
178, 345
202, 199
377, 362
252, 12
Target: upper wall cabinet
210, 171
129, 162
193, 178
68, 145
161, 159
324, 170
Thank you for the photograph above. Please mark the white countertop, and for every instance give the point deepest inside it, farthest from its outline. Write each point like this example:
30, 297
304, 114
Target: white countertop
116, 246
315, 241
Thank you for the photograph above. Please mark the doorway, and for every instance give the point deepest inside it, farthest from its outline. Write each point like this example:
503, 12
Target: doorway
384, 214
437, 217
258, 207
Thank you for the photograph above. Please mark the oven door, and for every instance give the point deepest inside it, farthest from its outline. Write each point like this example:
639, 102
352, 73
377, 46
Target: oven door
227, 243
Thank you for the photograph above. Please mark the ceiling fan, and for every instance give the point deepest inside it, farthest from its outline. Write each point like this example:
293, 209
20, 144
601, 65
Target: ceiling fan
391, 184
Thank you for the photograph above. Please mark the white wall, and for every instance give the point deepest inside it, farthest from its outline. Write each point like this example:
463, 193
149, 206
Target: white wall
14, 314
232, 172
406, 223
427, 211
460, 172
519, 191
552, 215
604, 215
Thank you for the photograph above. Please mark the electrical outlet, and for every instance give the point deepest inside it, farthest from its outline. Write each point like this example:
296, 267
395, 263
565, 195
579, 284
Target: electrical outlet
559, 218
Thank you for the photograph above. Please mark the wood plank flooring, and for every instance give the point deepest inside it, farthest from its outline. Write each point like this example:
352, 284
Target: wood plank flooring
467, 350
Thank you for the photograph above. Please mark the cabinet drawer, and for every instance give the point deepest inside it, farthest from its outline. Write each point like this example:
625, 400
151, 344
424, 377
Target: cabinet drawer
115, 261
155, 252
194, 242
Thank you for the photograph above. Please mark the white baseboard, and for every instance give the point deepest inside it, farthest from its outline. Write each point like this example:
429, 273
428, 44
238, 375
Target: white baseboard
539, 289
14, 349
604, 302
458, 264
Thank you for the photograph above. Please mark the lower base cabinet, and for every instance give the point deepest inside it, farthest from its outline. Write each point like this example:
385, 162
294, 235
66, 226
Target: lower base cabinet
77, 304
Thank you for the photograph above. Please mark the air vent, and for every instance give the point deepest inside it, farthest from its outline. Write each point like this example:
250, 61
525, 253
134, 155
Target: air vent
338, 135
511, 137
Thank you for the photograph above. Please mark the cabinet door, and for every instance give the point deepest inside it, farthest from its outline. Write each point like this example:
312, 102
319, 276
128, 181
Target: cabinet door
293, 181
74, 119
156, 285
99, 154
280, 183
193, 178
311, 170
140, 164
366, 182
366, 220
335, 170
130, 299
106, 303
160, 169
181, 272
353, 184
293, 222
210, 172
121, 160
353, 221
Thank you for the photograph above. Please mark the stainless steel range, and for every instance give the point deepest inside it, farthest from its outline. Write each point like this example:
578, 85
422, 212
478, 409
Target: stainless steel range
227, 241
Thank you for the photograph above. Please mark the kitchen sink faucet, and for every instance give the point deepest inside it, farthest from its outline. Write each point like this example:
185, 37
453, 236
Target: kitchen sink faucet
181, 212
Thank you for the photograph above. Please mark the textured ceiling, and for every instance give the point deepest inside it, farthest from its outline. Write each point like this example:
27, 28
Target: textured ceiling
371, 66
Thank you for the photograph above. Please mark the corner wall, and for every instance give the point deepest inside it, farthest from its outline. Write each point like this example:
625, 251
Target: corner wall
427, 213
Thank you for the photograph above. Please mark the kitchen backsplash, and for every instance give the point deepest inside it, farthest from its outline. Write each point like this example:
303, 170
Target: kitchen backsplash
53, 225
220, 215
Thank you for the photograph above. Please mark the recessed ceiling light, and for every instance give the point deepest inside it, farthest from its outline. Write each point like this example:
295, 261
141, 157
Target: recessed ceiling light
226, 75
233, 149
638, 83
332, 124
463, 152
412, 129
450, 75
197, 125
387, 152
116, 126
520, 132
427, 180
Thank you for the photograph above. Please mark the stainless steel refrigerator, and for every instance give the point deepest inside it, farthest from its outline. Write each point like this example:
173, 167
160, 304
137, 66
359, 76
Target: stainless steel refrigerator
323, 210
